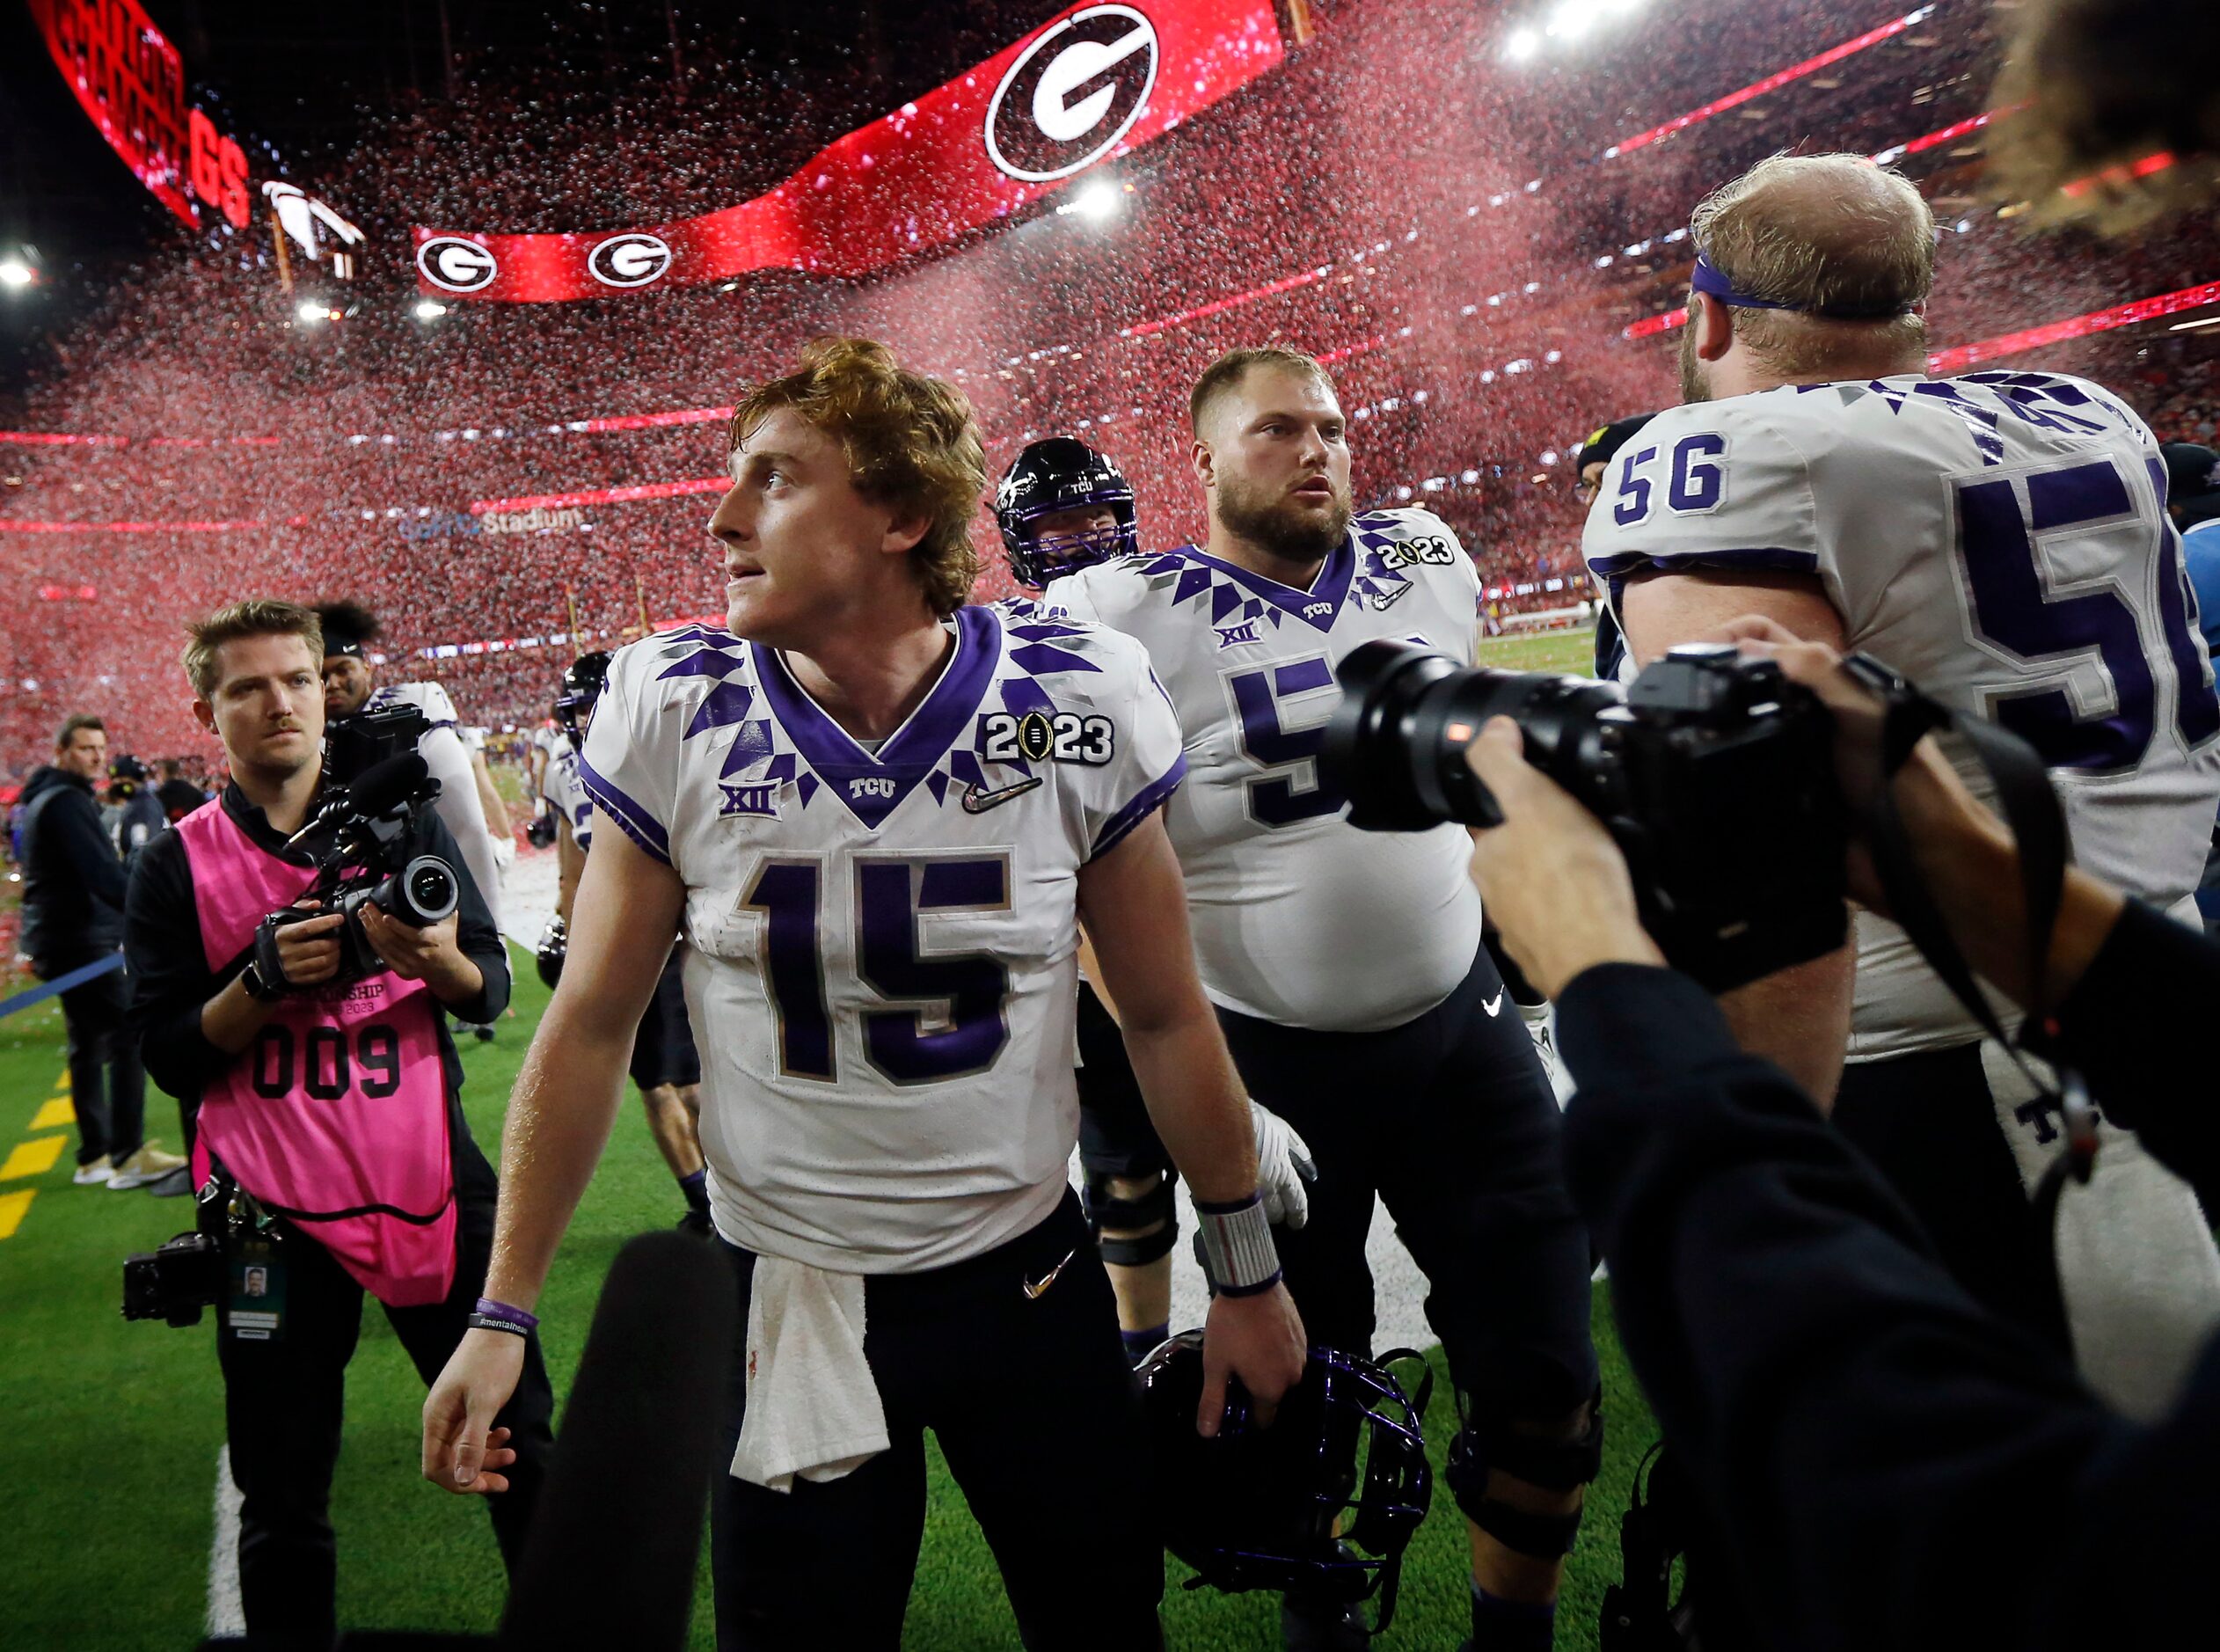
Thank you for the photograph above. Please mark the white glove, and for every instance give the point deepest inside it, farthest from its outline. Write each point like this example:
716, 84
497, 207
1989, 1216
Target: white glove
504, 850
1285, 1168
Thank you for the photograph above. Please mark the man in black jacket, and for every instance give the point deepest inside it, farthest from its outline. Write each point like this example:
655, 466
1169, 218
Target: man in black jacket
1886, 1462
73, 919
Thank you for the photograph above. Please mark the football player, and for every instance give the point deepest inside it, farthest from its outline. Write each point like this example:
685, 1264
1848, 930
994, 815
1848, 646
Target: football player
2001, 537
665, 1065
879, 814
1062, 506
351, 685
1346, 966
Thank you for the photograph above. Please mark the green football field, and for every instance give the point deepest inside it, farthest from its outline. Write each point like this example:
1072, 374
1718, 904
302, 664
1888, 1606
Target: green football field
110, 1455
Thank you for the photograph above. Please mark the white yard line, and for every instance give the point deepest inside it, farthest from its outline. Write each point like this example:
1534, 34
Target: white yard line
227, 1613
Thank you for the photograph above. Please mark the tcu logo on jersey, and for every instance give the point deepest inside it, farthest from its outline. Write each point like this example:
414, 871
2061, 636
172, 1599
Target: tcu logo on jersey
761, 798
1234, 636
871, 786
1317, 611
1429, 548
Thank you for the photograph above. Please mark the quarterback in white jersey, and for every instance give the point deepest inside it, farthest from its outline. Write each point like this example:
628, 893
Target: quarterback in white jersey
1249, 664
879, 814
1347, 965
2001, 538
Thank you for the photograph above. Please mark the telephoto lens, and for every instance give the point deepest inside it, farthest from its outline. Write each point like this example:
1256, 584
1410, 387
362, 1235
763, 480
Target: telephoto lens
1714, 774
1396, 743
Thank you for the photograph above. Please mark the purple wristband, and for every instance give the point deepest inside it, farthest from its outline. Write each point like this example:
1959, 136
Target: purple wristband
492, 1309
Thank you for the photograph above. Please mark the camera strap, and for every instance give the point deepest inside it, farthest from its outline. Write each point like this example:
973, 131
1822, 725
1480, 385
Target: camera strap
2038, 827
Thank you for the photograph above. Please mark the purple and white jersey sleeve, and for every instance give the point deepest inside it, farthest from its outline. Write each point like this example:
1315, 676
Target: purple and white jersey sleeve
1148, 764
630, 765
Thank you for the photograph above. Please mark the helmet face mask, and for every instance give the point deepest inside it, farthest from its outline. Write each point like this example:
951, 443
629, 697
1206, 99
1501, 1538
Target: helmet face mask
582, 685
1060, 474
1322, 1504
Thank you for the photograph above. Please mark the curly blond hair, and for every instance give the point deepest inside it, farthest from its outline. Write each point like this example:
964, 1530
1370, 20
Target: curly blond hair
912, 444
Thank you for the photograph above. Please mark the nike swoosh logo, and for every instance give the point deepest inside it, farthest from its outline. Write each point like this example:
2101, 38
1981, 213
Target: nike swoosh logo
1037, 1288
978, 802
1493, 1004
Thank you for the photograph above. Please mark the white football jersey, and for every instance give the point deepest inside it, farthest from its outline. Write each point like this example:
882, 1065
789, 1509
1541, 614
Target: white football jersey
1300, 918
2001, 539
565, 793
884, 971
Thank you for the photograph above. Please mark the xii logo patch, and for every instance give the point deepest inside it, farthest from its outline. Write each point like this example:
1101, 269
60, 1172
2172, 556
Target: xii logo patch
1235, 636
758, 798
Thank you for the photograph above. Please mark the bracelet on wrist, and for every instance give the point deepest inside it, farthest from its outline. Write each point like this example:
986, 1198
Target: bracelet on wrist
1238, 1251
506, 1317
508, 1327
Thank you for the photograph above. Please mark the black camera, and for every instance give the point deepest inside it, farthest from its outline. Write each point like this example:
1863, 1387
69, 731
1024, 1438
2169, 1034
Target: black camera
175, 1282
359, 840
1713, 773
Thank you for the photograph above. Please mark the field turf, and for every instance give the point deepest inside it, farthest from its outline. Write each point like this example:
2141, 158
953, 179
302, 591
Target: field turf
113, 1428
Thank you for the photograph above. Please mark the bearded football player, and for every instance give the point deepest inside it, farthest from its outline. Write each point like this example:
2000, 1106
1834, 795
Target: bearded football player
1348, 970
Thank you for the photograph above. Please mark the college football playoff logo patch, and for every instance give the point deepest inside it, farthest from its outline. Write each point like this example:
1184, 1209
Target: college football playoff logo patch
1072, 94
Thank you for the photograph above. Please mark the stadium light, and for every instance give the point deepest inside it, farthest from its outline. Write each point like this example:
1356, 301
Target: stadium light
427, 309
1522, 44
1574, 18
15, 273
1098, 200
312, 312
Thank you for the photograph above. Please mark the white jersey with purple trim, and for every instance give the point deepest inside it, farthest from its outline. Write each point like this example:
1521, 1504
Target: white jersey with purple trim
1300, 918
565, 793
883, 972
2001, 539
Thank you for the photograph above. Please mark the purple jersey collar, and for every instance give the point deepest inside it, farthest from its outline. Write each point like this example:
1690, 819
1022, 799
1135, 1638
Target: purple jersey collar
1331, 587
912, 752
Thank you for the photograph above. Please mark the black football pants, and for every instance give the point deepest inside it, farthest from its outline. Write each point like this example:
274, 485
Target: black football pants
282, 1402
1450, 1121
1039, 1419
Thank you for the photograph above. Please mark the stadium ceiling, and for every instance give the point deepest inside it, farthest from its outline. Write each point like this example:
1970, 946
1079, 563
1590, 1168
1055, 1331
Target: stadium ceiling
310, 81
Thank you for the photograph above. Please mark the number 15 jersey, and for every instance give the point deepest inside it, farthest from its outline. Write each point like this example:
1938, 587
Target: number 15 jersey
1299, 917
883, 975
2001, 539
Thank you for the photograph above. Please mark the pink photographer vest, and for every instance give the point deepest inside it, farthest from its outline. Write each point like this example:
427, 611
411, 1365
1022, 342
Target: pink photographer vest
336, 1115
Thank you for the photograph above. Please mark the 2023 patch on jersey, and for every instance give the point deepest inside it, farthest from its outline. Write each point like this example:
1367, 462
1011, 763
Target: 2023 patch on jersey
883, 977
1300, 918
2000, 538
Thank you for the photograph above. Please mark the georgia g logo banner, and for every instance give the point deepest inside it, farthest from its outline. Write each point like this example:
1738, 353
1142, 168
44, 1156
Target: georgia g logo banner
1072, 94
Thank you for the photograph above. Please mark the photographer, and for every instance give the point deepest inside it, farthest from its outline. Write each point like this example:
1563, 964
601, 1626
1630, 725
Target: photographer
322, 1102
1890, 1464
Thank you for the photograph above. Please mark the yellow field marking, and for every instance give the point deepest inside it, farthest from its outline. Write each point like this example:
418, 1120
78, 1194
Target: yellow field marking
12, 1205
59, 1114
33, 1158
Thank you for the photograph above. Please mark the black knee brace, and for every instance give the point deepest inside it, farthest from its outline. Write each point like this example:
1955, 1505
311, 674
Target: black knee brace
1562, 1464
1104, 1208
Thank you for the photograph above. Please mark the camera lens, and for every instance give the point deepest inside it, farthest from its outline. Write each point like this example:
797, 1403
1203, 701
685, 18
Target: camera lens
427, 885
1396, 743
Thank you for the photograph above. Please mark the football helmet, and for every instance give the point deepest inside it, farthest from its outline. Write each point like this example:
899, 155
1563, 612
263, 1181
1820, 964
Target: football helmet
1320, 1505
581, 687
1063, 473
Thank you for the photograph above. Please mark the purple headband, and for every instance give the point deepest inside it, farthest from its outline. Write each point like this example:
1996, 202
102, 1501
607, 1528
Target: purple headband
1709, 278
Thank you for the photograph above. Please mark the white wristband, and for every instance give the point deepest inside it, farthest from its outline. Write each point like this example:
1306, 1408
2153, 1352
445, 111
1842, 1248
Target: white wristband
1237, 1251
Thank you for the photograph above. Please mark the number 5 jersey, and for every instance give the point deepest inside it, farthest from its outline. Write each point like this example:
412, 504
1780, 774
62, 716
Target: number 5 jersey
883, 972
1299, 917
2000, 538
